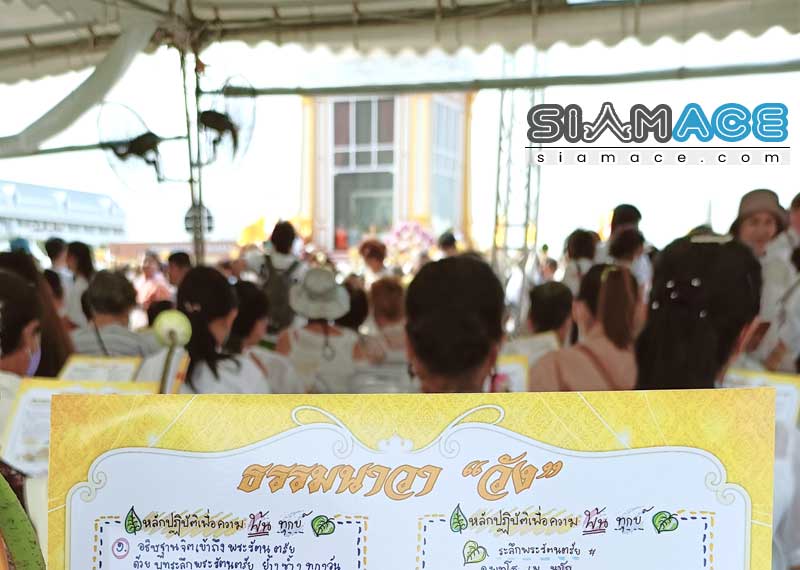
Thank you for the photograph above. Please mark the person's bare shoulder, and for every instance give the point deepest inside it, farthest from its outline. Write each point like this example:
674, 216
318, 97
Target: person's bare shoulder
284, 345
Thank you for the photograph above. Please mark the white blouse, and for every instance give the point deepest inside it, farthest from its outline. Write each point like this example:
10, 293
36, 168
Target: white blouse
786, 513
326, 370
74, 310
235, 375
277, 369
9, 386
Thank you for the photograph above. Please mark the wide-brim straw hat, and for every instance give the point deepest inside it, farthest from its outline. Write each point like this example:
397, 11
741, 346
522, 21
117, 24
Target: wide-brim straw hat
319, 296
757, 201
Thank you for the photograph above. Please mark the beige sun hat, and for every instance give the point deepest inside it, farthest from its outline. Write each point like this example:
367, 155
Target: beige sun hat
319, 296
760, 200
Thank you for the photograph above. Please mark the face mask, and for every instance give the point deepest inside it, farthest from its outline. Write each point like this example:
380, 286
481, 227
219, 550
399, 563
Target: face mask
33, 365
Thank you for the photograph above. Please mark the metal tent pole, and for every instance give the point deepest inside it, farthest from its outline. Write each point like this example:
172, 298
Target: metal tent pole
500, 133
787, 66
195, 172
77, 148
200, 228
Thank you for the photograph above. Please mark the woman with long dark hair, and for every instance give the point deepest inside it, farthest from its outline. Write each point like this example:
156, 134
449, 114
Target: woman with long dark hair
56, 344
607, 311
210, 303
81, 263
20, 315
703, 308
706, 293
247, 332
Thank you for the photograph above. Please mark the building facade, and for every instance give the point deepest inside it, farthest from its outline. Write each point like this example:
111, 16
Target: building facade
373, 161
38, 212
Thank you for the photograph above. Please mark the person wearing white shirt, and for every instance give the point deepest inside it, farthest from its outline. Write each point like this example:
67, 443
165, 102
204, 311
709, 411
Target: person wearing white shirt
787, 241
233, 375
787, 325
278, 270
325, 355
248, 330
111, 298
81, 264
56, 249
550, 320
759, 221
581, 251
210, 303
627, 216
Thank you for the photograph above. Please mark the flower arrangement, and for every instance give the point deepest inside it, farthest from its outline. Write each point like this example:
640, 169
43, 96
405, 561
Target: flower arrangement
406, 243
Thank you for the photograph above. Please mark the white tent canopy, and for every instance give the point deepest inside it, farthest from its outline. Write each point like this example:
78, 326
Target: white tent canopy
41, 37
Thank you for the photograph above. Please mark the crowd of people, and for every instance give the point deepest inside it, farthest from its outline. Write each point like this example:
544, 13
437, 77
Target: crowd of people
611, 315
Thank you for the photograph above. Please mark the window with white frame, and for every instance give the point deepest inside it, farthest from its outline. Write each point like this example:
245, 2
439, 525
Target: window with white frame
446, 164
363, 166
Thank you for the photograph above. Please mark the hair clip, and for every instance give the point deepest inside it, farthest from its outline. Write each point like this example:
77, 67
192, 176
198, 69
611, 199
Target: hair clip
192, 307
711, 238
607, 271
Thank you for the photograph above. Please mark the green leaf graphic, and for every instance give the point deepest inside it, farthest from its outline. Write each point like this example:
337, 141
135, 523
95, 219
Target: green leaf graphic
664, 521
474, 553
133, 523
458, 522
322, 525
16, 531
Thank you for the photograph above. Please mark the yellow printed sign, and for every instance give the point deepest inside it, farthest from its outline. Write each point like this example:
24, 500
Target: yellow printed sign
101, 368
787, 390
588, 481
26, 441
512, 374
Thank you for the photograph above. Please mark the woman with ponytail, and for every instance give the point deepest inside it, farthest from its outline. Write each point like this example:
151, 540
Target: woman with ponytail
454, 311
703, 311
209, 300
606, 311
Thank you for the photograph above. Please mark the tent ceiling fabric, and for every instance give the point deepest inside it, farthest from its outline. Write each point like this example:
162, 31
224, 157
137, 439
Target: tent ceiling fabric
39, 38
42, 37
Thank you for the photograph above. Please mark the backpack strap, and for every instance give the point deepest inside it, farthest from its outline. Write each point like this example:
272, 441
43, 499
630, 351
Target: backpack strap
292, 268
599, 365
268, 267
784, 301
561, 382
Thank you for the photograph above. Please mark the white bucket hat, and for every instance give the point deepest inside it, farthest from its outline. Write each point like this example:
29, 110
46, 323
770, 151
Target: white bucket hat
319, 296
